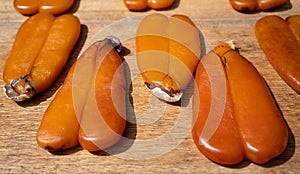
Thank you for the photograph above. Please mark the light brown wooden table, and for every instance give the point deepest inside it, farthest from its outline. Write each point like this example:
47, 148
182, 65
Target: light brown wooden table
217, 22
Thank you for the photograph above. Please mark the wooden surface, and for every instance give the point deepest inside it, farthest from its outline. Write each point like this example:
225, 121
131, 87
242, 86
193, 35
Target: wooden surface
217, 22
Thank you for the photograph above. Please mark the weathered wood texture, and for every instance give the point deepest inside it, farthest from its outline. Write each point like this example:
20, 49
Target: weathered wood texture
217, 22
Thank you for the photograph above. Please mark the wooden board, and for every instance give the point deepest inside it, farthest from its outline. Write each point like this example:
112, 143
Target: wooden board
151, 151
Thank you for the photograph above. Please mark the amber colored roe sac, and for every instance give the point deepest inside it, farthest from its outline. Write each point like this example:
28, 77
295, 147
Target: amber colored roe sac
90, 107
248, 6
249, 124
41, 48
279, 39
29, 7
168, 51
139, 5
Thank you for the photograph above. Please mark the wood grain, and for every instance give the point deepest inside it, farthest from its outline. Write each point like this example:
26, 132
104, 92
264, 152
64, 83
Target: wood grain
217, 22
